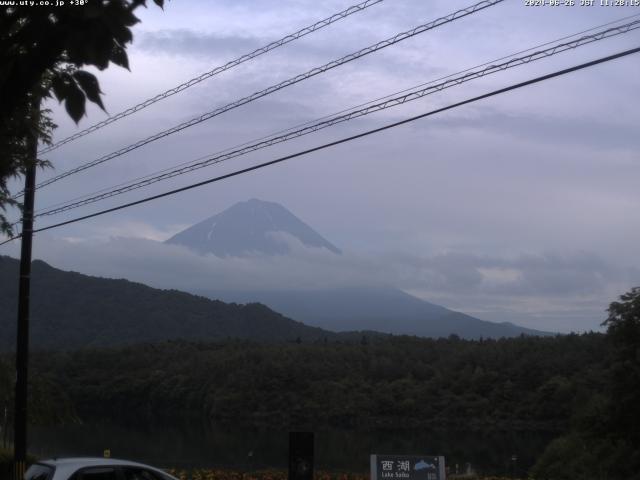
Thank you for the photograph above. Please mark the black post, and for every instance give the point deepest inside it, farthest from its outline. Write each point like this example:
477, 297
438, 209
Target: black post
300, 456
22, 346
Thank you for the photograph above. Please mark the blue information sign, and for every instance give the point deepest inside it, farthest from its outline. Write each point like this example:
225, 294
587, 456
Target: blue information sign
407, 467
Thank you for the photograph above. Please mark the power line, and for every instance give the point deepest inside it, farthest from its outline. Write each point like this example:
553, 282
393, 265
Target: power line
274, 88
227, 66
387, 103
343, 140
335, 114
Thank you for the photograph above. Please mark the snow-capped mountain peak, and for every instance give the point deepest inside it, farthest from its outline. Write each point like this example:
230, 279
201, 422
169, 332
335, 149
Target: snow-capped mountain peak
249, 227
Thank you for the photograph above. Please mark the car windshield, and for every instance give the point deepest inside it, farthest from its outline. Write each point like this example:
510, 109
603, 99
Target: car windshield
134, 473
39, 471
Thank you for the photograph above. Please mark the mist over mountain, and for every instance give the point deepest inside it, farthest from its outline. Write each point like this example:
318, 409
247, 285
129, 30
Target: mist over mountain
249, 227
380, 309
253, 227
70, 310
282, 263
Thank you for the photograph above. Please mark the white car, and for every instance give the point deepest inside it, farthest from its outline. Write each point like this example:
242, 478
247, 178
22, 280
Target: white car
93, 469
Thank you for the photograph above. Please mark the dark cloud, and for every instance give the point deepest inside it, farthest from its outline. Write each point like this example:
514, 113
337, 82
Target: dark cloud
184, 42
598, 134
192, 43
551, 275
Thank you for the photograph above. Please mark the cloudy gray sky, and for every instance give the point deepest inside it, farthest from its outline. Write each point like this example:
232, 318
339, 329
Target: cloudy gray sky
522, 207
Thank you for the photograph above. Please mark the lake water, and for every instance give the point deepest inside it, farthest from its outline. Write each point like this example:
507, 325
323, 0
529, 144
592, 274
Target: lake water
245, 450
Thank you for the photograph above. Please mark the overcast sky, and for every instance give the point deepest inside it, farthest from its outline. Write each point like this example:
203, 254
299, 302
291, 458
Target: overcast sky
522, 207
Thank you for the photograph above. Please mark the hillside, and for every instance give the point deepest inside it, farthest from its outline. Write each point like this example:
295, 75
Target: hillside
70, 310
381, 309
257, 227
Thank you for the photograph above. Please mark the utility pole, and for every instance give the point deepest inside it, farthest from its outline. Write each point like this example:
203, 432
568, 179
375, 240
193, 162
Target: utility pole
22, 345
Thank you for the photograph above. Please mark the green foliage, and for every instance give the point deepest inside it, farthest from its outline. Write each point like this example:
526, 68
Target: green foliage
576, 456
399, 381
623, 425
623, 330
605, 432
17, 134
42, 51
37, 45
48, 402
567, 458
527, 384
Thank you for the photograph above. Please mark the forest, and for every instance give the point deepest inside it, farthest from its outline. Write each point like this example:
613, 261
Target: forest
582, 388
527, 383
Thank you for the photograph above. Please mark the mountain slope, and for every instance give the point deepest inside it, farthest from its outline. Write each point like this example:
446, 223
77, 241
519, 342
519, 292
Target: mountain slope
249, 227
71, 310
385, 310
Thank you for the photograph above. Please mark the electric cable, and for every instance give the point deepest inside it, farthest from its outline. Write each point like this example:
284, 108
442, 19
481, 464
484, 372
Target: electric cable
227, 66
342, 140
274, 88
388, 103
309, 122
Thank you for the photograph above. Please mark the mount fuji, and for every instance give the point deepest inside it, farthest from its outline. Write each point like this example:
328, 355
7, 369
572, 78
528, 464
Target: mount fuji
249, 227
257, 226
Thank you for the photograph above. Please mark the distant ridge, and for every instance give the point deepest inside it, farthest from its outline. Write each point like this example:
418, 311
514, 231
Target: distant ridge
70, 310
381, 309
249, 227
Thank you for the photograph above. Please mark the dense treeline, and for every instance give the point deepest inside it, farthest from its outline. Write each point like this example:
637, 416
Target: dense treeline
585, 388
526, 383
603, 440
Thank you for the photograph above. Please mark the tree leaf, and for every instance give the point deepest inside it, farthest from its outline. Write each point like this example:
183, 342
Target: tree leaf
123, 35
75, 102
59, 86
89, 84
119, 56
